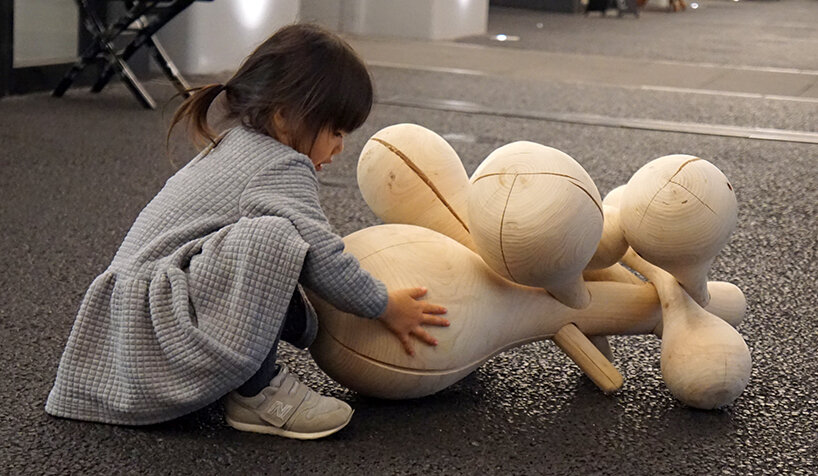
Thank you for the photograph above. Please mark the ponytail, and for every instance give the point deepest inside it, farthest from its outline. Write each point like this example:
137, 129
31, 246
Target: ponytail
193, 111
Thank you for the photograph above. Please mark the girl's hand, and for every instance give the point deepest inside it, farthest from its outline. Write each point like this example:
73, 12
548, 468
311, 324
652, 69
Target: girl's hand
404, 316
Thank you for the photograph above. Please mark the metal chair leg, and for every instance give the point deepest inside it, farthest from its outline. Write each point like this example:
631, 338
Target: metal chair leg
145, 35
170, 69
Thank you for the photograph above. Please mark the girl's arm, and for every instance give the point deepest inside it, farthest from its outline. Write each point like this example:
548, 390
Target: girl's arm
288, 188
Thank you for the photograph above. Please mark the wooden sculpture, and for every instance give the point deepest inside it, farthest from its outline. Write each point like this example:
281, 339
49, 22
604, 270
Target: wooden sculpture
406, 167
677, 212
488, 314
536, 218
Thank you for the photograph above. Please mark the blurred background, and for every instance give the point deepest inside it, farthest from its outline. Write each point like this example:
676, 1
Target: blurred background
613, 84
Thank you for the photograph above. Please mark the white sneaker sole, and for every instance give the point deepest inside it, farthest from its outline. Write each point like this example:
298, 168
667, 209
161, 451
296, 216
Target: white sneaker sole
271, 430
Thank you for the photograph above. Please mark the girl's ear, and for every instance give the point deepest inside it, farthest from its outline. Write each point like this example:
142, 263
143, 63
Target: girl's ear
281, 127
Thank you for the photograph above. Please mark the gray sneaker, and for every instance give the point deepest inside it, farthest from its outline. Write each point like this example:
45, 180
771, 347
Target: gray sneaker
287, 408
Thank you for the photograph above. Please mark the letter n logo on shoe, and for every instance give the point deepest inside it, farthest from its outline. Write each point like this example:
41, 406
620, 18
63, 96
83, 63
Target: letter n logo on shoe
279, 410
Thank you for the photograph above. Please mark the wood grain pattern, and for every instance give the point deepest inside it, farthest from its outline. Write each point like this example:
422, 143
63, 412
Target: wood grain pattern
488, 314
409, 174
705, 362
536, 218
678, 212
589, 358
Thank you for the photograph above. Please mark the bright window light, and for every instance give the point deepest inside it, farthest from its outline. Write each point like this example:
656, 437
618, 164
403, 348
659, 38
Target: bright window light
251, 12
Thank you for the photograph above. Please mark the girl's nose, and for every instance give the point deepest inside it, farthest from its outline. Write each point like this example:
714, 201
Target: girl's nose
339, 146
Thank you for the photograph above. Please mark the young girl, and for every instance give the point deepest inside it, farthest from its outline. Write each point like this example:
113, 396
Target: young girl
207, 280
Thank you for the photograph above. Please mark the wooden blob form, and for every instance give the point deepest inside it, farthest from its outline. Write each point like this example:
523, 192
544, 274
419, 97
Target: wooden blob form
426, 185
705, 362
409, 174
594, 361
612, 246
677, 212
488, 315
536, 218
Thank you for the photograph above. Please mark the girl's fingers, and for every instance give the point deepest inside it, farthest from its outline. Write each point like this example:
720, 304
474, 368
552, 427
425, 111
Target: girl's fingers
424, 336
407, 343
434, 309
417, 292
431, 320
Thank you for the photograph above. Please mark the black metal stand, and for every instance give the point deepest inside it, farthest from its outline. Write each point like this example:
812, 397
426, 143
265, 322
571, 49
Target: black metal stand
621, 6
143, 17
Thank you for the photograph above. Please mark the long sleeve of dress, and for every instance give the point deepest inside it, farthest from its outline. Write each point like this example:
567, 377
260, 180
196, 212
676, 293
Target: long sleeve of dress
288, 188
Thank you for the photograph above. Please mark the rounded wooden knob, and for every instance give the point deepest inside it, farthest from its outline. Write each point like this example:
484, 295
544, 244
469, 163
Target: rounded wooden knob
409, 174
536, 218
705, 362
613, 245
678, 212
614, 197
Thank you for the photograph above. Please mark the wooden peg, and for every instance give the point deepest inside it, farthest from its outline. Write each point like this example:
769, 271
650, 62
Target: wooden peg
589, 358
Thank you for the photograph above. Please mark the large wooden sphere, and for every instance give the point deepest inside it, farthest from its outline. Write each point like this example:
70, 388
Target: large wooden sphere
536, 218
409, 174
678, 212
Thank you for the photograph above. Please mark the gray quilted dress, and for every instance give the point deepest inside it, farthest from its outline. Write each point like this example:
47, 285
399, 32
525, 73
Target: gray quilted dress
195, 296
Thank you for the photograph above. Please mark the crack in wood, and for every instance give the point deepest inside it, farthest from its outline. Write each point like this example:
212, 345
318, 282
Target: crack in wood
406, 160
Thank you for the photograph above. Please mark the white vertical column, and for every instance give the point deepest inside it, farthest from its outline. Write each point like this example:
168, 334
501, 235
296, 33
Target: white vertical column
423, 19
214, 37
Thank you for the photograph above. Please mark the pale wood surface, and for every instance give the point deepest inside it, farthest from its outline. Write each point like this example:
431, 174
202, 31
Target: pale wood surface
678, 212
488, 314
409, 174
613, 245
536, 218
705, 362
589, 358
617, 273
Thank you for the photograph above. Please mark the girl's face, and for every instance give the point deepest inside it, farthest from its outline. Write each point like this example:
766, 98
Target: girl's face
327, 144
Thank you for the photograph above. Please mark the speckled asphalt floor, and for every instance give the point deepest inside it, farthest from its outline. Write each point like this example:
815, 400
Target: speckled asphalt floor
75, 172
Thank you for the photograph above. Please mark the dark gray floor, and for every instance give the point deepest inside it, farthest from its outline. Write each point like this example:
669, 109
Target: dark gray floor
75, 172
767, 33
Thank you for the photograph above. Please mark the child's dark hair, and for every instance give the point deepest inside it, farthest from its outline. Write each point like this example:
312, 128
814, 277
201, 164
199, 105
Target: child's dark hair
309, 75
